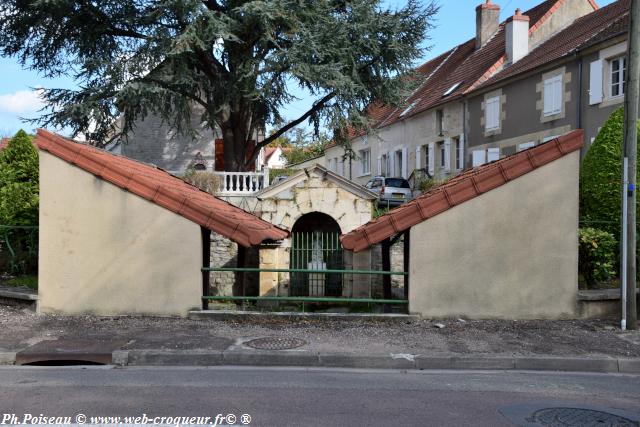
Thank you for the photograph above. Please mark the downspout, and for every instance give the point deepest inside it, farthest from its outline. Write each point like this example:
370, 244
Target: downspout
206, 263
465, 139
580, 86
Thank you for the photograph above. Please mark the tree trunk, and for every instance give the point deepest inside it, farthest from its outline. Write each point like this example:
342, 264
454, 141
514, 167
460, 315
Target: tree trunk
235, 148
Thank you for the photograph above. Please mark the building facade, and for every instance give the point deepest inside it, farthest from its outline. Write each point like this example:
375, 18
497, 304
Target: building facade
573, 81
429, 132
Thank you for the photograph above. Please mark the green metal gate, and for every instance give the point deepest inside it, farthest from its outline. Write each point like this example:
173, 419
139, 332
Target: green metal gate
316, 250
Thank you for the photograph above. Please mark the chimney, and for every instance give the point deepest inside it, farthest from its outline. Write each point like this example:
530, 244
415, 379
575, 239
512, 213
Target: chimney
517, 37
487, 22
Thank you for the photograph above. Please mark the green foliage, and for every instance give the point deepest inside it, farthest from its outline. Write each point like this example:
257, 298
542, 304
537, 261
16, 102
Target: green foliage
601, 177
205, 181
304, 147
273, 173
19, 182
597, 255
25, 281
427, 184
240, 62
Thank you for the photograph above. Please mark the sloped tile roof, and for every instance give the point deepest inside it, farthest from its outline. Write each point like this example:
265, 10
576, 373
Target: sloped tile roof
164, 190
458, 71
464, 187
599, 25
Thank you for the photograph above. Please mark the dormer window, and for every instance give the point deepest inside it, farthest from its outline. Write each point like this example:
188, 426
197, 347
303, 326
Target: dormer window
451, 89
409, 108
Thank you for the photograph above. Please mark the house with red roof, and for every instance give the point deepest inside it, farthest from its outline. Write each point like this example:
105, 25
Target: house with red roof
428, 132
574, 80
117, 236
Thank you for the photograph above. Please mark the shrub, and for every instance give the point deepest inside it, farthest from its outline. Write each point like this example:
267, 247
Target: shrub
19, 182
597, 255
274, 173
600, 177
206, 181
427, 184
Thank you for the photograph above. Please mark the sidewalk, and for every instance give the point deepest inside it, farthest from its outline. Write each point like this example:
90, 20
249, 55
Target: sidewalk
596, 346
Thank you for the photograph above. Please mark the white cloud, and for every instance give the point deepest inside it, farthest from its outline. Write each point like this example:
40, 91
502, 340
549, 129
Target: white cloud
21, 102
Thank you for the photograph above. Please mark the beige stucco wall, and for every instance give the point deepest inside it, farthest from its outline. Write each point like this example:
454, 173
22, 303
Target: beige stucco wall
510, 253
106, 251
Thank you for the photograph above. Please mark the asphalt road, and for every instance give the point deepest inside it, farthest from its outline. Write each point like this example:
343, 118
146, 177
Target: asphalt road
310, 397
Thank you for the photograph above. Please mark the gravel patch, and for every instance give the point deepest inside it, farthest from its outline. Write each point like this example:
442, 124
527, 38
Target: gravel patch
21, 327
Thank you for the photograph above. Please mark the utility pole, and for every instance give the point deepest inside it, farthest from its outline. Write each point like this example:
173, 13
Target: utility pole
632, 96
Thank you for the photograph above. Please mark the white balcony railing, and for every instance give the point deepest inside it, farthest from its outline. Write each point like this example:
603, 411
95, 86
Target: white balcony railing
242, 183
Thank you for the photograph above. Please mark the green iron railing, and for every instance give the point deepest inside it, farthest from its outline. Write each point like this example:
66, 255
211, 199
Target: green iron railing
18, 249
307, 299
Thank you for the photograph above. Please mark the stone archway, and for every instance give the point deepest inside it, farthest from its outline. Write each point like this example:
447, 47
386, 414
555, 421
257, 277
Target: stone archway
315, 245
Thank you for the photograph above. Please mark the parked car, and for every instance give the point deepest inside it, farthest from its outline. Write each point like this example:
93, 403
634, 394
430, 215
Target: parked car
390, 191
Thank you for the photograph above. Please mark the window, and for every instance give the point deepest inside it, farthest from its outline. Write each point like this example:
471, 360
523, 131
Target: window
383, 165
493, 154
427, 156
526, 145
492, 114
478, 157
618, 76
443, 154
451, 89
459, 153
439, 122
552, 96
398, 163
365, 162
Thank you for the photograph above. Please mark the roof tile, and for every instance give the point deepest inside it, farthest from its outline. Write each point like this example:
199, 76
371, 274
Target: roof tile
601, 24
466, 186
165, 190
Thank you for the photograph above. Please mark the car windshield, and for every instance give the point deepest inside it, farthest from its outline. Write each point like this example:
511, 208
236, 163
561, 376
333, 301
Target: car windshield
397, 183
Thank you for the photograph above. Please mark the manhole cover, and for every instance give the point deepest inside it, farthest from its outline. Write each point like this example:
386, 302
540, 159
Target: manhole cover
564, 417
275, 343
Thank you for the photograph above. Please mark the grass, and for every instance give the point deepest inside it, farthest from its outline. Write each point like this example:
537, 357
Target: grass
30, 282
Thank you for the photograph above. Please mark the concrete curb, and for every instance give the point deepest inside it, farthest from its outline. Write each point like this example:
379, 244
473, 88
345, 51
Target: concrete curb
371, 361
7, 358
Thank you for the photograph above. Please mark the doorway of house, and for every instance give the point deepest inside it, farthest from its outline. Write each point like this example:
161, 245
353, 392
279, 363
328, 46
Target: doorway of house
315, 245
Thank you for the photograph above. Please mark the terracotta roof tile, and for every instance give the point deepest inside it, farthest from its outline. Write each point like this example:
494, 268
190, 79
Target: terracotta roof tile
163, 189
461, 69
599, 25
466, 186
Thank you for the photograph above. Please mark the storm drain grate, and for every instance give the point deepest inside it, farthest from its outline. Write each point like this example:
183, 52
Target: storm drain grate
568, 417
275, 343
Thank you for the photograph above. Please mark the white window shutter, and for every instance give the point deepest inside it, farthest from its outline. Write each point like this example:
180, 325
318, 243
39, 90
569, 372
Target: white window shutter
557, 95
461, 152
478, 157
526, 145
404, 162
493, 154
418, 155
447, 155
379, 165
548, 96
432, 159
595, 82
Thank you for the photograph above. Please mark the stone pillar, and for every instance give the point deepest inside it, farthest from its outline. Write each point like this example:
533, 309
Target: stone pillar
269, 281
362, 282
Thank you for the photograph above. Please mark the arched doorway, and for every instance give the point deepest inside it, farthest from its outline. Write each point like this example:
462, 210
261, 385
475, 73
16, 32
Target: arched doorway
315, 245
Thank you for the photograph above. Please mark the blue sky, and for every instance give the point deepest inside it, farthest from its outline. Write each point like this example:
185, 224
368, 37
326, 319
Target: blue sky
455, 24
